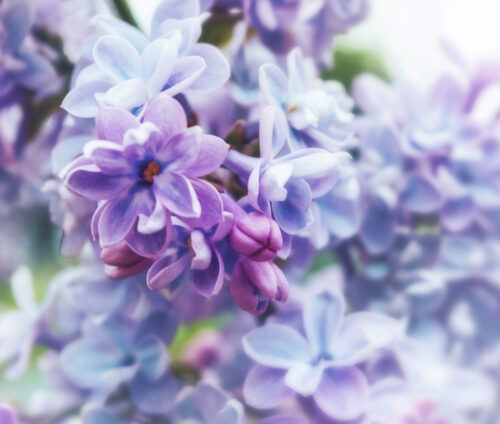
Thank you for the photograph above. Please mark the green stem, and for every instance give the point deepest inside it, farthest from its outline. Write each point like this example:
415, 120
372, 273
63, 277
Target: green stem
124, 12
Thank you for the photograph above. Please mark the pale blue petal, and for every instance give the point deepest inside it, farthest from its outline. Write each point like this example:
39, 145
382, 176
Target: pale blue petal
117, 57
217, 69
277, 346
273, 84
265, 388
322, 315
342, 393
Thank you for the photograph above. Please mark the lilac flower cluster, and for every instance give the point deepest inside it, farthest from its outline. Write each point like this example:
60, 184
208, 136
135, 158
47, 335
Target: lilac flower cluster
201, 175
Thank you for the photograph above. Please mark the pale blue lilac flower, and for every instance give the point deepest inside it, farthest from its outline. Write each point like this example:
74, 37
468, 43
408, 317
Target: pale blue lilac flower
246, 57
20, 328
69, 20
119, 351
57, 397
129, 71
240, 98
206, 404
284, 185
420, 154
337, 214
455, 391
282, 419
317, 111
323, 364
145, 172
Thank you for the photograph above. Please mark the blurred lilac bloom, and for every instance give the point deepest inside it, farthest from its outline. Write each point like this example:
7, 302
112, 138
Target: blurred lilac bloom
7, 415
336, 17
144, 172
282, 419
284, 185
321, 365
309, 24
436, 139
455, 391
206, 404
279, 23
118, 351
72, 214
247, 55
129, 71
22, 63
69, 20
20, 328
317, 112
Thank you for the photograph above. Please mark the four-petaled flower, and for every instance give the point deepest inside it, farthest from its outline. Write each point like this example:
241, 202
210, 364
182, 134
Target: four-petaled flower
323, 364
145, 171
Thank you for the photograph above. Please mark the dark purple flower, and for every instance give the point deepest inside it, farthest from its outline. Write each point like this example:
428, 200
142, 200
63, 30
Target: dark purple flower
145, 172
195, 254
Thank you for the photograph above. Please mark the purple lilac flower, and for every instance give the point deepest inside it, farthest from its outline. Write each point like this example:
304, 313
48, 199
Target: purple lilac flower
282, 419
194, 256
284, 185
336, 17
310, 24
278, 23
22, 66
323, 364
129, 71
317, 112
206, 404
117, 351
145, 172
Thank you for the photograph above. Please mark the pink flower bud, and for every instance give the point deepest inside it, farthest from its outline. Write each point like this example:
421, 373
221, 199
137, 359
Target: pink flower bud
254, 284
122, 262
257, 236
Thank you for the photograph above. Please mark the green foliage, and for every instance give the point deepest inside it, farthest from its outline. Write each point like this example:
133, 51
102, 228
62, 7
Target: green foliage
349, 62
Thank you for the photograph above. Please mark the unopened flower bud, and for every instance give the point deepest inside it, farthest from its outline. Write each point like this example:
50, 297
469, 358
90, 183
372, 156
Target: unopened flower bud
254, 284
122, 262
257, 236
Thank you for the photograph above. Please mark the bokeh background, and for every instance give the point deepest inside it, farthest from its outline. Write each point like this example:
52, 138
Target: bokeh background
400, 36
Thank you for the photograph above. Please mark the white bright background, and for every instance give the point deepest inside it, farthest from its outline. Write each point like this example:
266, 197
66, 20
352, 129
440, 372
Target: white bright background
408, 32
